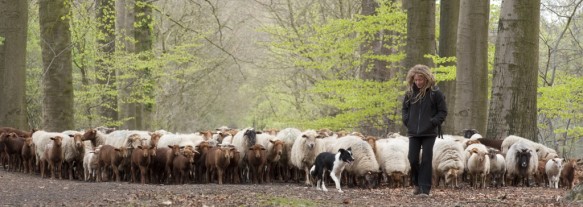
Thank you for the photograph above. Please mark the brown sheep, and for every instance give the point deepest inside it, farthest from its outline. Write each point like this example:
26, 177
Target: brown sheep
54, 157
110, 156
28, 155
161, 164
568, 173
13, 146
257, 158
217, 160
273, 159
232, 171
182, 165
201, 168
141, 158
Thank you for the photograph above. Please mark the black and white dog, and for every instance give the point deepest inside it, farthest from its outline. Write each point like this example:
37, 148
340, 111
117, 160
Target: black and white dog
334, 163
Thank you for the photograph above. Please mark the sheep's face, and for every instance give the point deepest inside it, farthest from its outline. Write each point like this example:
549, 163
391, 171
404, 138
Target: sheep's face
523, 158
251, 135
277, 149
451, 175
28, 142
189, 154
558, 162
78, 138
57, 141
257, 150
310, 140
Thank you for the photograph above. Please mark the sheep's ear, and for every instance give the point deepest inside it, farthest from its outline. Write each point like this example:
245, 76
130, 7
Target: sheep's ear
181, 147
250, 148
53, 138
263, 148
71, 135
170, 146
304, 136
117, 149
140, 147
474, 150
272, 142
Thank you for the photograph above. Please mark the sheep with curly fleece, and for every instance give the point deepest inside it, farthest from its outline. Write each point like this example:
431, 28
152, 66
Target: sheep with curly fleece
365, 164
542, 151
304, 152
448, 162
288, 136
478, 164
521, 162
391, 155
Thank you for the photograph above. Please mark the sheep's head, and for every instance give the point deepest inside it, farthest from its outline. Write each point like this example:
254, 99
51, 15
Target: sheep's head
251, 135
90, 134
310, 138
57, 140
123, 152
277, 149
78, 139
451, 174
523, 156
257, 150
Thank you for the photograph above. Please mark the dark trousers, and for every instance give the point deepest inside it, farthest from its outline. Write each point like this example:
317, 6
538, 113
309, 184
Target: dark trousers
421, 172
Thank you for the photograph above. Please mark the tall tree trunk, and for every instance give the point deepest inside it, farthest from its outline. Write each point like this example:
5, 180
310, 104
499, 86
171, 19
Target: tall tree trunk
57, 79
106, 77
514, 85
143, 36
124, 26
420, 32
13, 29
373, 69
448, 23
472, 66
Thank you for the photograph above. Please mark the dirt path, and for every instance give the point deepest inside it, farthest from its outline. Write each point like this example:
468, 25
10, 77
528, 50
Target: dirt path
19, 189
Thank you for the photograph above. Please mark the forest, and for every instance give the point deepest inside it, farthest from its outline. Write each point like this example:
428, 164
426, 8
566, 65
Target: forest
506, 67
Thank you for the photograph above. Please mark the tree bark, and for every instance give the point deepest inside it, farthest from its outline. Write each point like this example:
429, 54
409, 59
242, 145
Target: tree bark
373, 69
514, 85
57, 79
420, 32
13, 29
124, 26
472, 66
448, 23
106, 77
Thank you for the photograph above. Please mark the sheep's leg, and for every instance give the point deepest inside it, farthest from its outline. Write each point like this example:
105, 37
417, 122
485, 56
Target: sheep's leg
307, 171
143, 174
220, 175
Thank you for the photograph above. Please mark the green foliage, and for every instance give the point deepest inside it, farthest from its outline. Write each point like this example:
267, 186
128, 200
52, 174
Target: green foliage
2, 40
335, 99
445, 69
563, 101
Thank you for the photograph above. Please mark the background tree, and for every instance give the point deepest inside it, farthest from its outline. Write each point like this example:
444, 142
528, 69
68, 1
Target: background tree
57, 79
448, 24
13, 36
514, 85
420, 32
105, 72
471, 92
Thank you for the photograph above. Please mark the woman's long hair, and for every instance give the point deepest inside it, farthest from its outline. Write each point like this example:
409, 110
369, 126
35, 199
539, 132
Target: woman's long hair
424, 71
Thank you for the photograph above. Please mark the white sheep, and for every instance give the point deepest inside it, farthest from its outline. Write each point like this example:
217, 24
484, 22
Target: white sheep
521, 162
478, 164
448, 161
541, 150
497, 168
182, 140
41, 139
365, 163
90, 160
304, 152
391, 155
553, 170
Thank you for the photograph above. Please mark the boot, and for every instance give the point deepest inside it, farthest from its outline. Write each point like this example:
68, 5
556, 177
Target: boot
424, 191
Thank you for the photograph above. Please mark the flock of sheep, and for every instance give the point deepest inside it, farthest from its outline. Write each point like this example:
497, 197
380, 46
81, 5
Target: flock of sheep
248, 155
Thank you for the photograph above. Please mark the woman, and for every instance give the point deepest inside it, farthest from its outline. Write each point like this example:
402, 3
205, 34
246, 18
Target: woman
424, 110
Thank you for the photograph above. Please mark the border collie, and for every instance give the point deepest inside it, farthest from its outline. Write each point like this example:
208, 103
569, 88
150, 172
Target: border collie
334, 163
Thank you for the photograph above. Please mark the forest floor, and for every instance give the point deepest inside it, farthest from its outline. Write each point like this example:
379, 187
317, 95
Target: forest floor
18, 189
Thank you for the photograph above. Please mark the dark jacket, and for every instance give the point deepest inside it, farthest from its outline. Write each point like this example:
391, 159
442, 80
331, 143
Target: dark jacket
423, 117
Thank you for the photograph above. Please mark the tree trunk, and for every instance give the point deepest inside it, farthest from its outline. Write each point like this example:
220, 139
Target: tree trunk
125, 28
472, 66
373, 69
13, 29
57, 79
106, 78
143, 36
448, 22
514, 85
420, 32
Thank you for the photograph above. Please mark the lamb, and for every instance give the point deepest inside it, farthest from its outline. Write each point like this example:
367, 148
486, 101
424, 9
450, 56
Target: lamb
553, 170
497, 168
521, 162
53, 155
90, 164
478, 164
141, 158
448, 162
113, 157
568, 173
161, 164
182, 165
73, 152
288, 136
365, 163
28, 155
257, 158
391, 155
218, 160
303, 152
13, 147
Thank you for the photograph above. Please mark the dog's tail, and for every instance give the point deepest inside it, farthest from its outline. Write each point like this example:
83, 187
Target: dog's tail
313, 171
